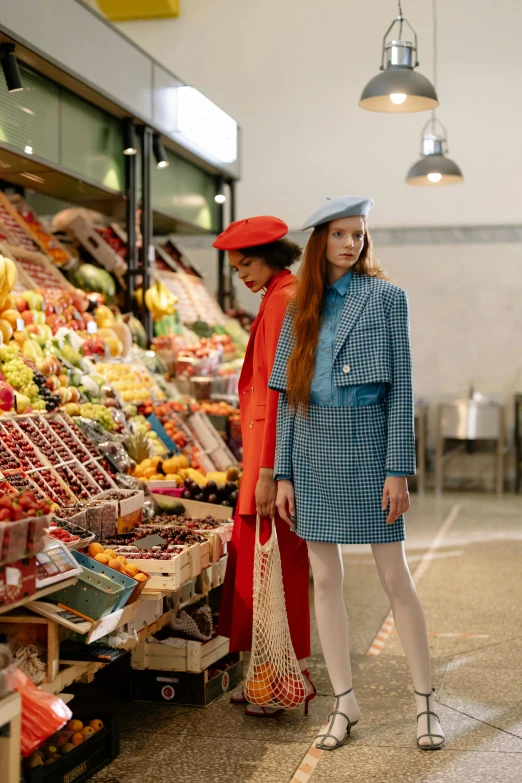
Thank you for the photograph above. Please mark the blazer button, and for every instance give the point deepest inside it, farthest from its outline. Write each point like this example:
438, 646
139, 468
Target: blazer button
346, 368
251, 425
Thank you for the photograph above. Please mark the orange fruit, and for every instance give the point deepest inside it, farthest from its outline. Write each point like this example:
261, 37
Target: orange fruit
140, 577
87, 731
11, 316
95, 549
122, 559
116, 565
131, 569
183, 462
148, 472
102, 558
77, 738
265, 672
157, 477
75, 725
289, 691
111, 554
257, 691
96, 724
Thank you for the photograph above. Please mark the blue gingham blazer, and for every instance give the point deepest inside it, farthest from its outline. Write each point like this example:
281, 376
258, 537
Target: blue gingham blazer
372, 346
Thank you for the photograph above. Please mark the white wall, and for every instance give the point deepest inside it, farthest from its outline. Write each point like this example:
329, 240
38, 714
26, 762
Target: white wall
291, 73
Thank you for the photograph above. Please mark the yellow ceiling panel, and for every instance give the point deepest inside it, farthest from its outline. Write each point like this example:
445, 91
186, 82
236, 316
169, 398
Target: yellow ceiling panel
121, 10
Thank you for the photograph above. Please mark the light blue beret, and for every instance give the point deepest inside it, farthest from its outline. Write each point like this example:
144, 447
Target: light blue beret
339, 207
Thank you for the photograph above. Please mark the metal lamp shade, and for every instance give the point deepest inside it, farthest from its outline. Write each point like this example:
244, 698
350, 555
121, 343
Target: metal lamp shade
420, 92
434, 164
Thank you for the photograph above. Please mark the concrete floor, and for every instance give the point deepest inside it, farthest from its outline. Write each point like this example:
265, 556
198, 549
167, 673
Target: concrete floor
471, 589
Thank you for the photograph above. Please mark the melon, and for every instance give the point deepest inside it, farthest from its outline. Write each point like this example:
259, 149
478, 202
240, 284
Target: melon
124, 335
91, 278
138, 330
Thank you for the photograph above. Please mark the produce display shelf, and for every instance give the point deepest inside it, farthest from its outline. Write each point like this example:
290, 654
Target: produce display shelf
43, 437
48, 243
119, 374
13, 227
91, 630
72, 672
64, 426
39, 594
37, 269
145, 633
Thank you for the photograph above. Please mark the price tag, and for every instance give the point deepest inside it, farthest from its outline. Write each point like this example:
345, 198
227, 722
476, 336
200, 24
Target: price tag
149, 541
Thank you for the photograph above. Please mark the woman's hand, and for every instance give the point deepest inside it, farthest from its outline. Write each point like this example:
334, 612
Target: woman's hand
396, 493
266, 491
285, 501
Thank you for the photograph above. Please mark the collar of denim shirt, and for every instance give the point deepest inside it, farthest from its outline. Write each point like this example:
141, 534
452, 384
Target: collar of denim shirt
342, 285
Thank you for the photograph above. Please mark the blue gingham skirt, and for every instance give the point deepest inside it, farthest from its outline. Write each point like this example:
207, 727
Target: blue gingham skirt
338, 464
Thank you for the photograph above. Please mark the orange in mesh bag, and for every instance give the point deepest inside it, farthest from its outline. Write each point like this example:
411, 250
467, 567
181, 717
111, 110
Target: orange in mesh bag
274, 678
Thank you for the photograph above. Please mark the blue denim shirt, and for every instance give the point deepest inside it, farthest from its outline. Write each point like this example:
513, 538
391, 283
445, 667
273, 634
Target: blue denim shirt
322, 390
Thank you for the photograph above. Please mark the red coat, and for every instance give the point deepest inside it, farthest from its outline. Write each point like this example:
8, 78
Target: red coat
258, 406
258, 403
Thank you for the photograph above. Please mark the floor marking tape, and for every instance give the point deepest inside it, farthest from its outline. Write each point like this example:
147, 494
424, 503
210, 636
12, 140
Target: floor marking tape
306, 768
388, 626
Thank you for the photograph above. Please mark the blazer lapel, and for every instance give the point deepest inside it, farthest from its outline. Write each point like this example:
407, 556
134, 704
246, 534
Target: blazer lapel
355, 301
278, 282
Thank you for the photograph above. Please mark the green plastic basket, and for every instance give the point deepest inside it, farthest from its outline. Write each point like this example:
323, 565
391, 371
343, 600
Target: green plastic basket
99, 591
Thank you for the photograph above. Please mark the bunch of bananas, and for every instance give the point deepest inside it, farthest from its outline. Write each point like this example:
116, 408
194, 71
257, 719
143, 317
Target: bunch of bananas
160, 301
8, 278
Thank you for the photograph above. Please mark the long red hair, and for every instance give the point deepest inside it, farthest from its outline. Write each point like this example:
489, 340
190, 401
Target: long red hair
307, 309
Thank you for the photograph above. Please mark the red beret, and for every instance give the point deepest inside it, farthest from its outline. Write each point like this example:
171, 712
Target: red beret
251, 232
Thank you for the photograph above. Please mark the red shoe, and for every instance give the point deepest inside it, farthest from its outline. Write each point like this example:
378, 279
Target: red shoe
257, 711
238, 699
313, 693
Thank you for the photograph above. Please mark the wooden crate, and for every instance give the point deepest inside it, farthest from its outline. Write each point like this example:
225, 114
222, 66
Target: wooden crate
33, 629
34, 269
97, 246
192, 657
199, 510
211, 441
170, 575
48, 243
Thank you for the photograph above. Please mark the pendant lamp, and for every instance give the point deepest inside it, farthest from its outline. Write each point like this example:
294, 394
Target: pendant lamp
399, 88
434, 168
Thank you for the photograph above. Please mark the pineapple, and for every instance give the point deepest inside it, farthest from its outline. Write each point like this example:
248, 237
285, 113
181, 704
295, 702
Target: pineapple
138, 447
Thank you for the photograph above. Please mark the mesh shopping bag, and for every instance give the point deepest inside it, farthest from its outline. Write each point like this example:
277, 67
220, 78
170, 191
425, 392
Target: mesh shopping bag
274, 678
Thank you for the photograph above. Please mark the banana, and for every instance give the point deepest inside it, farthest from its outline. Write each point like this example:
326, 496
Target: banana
160, 301
3, 281
12, 273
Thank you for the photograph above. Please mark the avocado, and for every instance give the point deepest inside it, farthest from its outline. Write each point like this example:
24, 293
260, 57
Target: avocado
168, 505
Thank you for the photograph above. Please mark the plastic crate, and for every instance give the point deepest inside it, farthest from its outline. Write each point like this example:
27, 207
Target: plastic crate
85, 760
99, 591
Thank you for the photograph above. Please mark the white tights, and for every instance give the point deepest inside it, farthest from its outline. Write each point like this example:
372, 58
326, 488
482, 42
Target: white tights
332, 621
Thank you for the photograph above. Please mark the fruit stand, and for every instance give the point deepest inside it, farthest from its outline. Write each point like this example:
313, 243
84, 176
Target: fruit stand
119, 476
